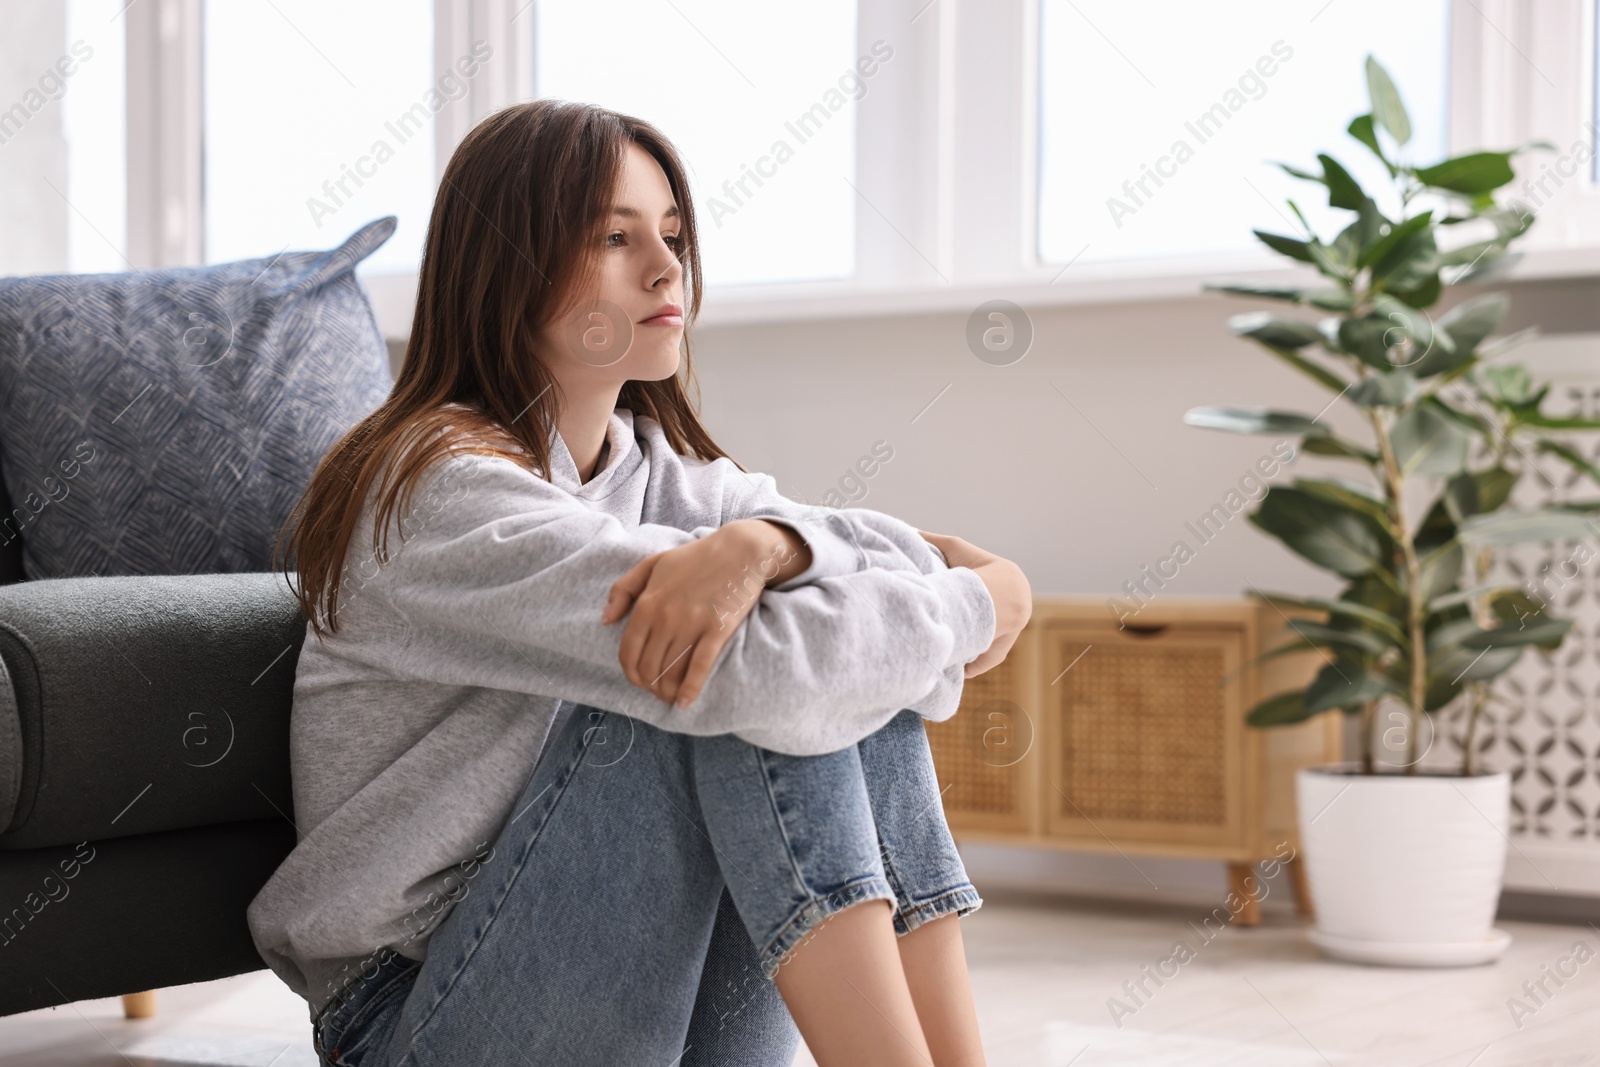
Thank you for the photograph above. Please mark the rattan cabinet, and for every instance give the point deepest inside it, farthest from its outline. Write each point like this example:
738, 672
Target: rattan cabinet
1132, 738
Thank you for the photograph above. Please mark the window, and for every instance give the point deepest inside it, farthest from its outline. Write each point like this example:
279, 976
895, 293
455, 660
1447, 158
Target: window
1160, 145
94, 126
759, 100
318, 119
992, 147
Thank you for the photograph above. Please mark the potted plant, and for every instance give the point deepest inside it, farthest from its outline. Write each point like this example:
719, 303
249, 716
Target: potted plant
1405, 864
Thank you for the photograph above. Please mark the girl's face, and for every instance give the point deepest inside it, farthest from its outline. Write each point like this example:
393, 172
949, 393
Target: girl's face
629, 329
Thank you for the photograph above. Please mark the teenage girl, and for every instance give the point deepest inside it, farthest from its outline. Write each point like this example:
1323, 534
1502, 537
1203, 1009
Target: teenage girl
612, 754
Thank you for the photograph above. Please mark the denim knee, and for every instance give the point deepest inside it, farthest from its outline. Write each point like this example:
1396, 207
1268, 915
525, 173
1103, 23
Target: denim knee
918, 853
803, 837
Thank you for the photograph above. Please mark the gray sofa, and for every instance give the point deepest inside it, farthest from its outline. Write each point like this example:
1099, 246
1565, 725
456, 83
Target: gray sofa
144, 777
156, 429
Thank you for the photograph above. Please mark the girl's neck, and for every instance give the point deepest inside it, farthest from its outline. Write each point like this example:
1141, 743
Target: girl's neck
583, 425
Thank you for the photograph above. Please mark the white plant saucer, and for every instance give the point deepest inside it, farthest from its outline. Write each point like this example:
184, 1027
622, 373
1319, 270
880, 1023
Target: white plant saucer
1414, 953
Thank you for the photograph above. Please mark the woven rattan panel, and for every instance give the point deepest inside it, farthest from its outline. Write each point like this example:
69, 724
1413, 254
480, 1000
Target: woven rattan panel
1142, 733
976, 750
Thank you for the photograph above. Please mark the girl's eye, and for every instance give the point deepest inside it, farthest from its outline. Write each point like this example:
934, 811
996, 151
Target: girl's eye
674, 242
614, 240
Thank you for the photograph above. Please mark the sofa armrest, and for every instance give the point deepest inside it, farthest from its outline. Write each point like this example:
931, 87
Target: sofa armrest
131, 705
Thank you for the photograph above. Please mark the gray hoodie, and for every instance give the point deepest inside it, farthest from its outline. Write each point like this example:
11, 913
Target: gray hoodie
416, 726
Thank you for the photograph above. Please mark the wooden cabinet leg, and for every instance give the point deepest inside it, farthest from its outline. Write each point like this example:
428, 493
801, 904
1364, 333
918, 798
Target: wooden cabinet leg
1244, 881
1301, 887
139, 1005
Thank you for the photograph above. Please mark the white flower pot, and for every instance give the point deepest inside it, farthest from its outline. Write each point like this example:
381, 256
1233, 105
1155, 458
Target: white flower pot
1404, 869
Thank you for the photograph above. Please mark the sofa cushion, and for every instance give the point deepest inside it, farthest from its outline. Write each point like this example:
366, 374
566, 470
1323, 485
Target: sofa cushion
143, 704
96, 919
167, 421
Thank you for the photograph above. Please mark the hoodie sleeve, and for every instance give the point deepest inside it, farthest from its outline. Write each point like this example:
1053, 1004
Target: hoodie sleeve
502, 585
842, 540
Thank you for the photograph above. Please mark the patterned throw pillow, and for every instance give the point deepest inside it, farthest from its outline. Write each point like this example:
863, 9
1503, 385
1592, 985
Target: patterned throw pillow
167, 421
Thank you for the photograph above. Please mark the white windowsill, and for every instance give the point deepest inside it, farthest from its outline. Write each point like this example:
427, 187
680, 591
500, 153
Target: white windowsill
393, 295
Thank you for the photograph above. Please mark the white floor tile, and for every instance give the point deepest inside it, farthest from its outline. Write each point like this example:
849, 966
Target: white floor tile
1043, 971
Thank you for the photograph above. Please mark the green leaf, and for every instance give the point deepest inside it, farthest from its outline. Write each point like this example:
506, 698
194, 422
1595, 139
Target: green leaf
1437, 528
1294, 294
1292, 247
1470, 254
1270, 330
1571, 455
1519, 527
1327, 534
1510, 221
1469, 322
1331, 298
1519, 608
1305, 226
1510, 385
1370, 225
1387, 244
1477, 492
1361, 129
1361, 640
1327, 297
1437, 361
1334, 262
1545, 632
1368, 339
1379, 594
1296, 172
1251, 420
1343, 191
1285, 709
1458, 597
1440, 570
1387, 108
1476, 172
1452, 661
1409, 322
1389, 389
1492, 267
1545, 422
1515, 605
1349, 609
1343, 683
1419, 284
1346, 248
1330, 445
1349, 495
1425, 442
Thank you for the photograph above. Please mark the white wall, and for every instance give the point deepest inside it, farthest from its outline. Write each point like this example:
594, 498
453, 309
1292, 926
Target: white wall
1003, 459
1074, 462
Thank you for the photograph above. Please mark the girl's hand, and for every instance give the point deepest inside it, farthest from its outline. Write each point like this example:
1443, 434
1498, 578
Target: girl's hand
1008, 588
687, 602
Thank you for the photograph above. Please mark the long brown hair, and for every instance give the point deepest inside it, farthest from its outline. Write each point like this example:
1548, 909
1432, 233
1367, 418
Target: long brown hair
511, 244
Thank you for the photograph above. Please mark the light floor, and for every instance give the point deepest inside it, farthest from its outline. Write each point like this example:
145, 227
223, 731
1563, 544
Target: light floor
1043, 970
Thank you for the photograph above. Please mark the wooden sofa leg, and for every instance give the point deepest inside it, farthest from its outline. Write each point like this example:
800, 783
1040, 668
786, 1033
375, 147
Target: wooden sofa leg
139, 1005
1243, 880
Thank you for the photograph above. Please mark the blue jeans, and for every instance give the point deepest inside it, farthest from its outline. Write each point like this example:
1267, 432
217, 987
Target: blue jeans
642, 894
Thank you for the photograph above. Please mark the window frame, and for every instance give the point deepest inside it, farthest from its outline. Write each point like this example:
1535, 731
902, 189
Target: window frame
940, 225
